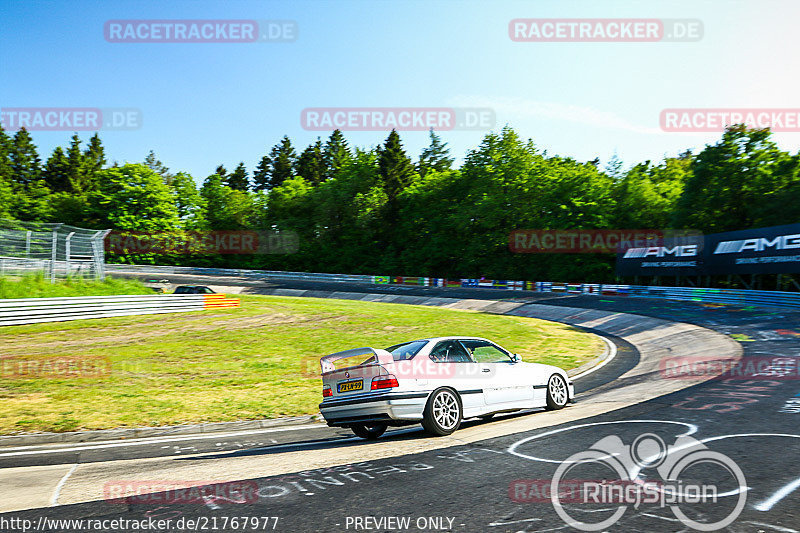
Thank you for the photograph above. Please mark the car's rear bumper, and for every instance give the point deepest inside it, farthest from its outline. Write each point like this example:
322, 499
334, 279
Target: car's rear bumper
387, 407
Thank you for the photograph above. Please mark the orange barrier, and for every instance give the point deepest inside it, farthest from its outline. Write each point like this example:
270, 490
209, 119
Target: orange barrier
215, 301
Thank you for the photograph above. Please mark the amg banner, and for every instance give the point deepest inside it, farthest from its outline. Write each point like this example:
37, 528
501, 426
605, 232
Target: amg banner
677, 256
773, 250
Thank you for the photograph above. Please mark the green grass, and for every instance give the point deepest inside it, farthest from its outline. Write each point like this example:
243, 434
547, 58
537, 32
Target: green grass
234, 364
37, 286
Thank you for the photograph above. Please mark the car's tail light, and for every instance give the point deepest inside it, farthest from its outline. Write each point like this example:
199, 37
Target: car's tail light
327, 391
384, 382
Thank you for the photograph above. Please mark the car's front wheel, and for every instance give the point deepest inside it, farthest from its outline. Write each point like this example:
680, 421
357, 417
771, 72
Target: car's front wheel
369, 432
443, 413
557, 392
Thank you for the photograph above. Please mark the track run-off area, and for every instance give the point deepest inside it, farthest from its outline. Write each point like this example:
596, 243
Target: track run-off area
489, 475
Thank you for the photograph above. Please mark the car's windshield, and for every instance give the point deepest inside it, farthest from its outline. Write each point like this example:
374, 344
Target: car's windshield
406, 350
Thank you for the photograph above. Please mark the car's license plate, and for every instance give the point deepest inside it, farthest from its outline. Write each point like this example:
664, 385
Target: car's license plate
349, 386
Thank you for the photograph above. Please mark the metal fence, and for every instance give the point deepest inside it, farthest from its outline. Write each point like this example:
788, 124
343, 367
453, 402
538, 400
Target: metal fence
57, 250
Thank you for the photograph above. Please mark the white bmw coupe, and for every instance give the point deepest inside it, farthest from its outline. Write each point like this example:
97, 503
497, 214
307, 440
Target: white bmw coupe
438, 382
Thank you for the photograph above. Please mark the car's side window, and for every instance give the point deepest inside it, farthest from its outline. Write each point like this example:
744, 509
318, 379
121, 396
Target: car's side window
450, 352
486, 352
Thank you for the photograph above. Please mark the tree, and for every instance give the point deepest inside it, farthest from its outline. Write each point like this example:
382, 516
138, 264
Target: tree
435, 156
311, 164
732, 182
394, 166
76, 166
95, 156
133, 197
57, 171
26, 167
225, 208
152, 162
336, 154
188, 201
282, 161
238, 180
262, 174
6, 171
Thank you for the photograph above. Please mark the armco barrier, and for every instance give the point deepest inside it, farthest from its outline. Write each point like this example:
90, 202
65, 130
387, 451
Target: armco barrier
695, 294
35, 310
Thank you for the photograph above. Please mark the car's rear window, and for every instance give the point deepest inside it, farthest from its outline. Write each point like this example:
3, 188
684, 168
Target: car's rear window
407, 350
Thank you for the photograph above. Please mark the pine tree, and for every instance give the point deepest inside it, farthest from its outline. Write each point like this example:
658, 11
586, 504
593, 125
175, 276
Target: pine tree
435, 156
283, 159
26, 167
158, 167
262, 173
310, 164
5, 156
222, 172
394, 166
76, 166
95, 155
336, 154
238, 179
56, 172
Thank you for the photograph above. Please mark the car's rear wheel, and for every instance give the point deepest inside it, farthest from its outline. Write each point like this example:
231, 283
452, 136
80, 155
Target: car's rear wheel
557, 392
443, 413
369, 432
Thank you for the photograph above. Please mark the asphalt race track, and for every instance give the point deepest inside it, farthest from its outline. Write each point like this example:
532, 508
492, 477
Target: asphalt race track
498, 484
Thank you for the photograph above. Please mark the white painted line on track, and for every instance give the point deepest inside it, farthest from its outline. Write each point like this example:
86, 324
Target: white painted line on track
57, 491
612, 354
25, 450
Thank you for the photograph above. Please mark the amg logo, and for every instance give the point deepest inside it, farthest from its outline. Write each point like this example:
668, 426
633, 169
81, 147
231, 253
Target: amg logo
689, 250
784, 242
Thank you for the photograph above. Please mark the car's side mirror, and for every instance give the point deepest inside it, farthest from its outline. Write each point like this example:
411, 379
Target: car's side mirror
515, 358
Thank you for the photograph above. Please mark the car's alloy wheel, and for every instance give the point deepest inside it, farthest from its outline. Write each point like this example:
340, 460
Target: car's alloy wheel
557, 392
369, 432
443, 413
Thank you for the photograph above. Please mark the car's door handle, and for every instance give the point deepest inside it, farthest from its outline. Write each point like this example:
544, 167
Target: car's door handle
485, 370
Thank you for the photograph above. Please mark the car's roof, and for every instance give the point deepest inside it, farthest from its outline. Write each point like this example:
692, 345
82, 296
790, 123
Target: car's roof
460, 337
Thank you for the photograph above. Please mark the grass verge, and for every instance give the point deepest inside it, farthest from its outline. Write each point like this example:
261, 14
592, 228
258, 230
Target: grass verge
37, 286
232, 364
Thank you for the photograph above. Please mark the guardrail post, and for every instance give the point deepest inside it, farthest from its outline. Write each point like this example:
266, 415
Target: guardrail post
68, 239
53, 256
28, 244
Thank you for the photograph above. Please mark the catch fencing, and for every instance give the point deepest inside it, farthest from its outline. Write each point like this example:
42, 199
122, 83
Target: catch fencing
56, 250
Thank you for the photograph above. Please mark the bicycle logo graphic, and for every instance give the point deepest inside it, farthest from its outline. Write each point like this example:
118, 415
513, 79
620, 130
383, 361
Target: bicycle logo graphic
648, 451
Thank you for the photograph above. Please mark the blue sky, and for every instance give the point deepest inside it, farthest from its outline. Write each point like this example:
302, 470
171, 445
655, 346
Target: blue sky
205, 104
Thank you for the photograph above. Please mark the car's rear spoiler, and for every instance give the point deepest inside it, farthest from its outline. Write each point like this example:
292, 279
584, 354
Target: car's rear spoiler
381, 357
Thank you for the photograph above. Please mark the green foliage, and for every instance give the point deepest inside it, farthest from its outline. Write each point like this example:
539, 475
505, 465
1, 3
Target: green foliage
373, 211
238, 179
37, 286
732, 180
133, 197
